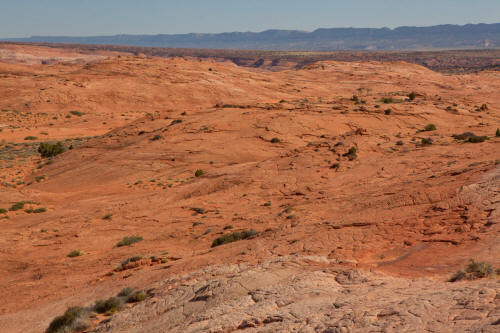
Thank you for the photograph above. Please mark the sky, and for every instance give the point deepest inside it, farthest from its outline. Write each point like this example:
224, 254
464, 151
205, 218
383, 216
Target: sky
24, 18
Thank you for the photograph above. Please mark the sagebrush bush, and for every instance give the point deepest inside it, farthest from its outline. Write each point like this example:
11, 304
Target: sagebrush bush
474, 270
430, 127
109, 306
48, 149
233, 237
469, 137
73, 320
74, 253
129, 240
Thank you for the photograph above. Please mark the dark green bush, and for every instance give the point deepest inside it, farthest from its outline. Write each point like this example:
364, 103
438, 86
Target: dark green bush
233, 237
76, 113
74, 253
3, 211
199, 173
351, 154
47, 149
388, 112
275, 140
157, 137
430, 127
129, 240
427, 141
30, 138
412, 96
107, 217
497, 133
17, 206
36, 210
469, 137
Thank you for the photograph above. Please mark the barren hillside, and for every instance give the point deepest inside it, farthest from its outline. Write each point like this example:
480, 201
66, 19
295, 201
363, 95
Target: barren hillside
360, 202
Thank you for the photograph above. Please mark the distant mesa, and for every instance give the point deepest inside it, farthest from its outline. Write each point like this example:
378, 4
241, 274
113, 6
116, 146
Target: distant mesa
469, 36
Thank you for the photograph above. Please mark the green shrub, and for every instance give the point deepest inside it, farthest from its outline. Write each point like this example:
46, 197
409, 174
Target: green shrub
400, 143
426, 141
131, 259
199, 173
430, 127
469, 137
388, 112
275, 140
109, 306
355, 98
497, 133
107, 217
30, 138
47, 149
233, 237
17, 206
412, 96
74, 253
351, 154
76, 113
129, 240
125, 292
157, 137
73, 320
474, 270
3, 211
36, 211
137, 296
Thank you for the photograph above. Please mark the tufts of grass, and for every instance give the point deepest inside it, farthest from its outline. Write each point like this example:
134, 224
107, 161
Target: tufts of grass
3, 211
125, 292
129, 240
233, 237
199, 173
129, 260
474, 270
108, 306
74, 253
30, 138
136, 296
75, 319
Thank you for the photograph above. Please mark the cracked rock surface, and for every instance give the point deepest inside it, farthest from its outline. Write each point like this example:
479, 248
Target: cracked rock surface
310, 295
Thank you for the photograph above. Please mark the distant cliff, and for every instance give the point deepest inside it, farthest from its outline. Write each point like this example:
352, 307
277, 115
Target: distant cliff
470, 36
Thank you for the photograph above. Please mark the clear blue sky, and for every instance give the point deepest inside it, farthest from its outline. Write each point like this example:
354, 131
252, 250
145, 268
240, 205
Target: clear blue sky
22, 18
